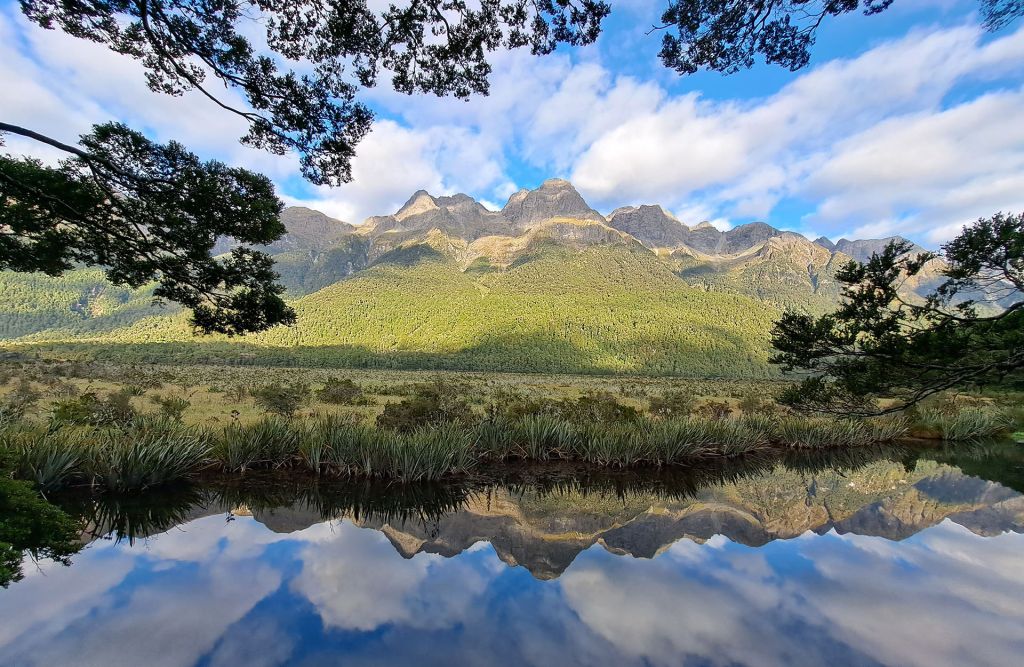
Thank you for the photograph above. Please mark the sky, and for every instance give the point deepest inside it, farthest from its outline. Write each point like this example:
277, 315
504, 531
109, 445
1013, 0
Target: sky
909, 122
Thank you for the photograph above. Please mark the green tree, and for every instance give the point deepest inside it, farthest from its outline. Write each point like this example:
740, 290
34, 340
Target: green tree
147, 212
880, 343
282, 399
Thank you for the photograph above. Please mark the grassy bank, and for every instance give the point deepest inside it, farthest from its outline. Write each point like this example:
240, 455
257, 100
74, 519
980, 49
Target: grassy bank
127, 428
152, 451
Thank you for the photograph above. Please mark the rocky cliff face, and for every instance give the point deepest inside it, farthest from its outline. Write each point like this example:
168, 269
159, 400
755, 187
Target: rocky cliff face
755, 259
862, 250
555, 198
651, 225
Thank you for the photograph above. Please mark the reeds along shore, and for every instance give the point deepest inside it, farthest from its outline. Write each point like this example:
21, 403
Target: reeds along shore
150, 451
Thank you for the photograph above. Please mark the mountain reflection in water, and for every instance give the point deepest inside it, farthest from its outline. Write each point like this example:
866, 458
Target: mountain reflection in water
869, 558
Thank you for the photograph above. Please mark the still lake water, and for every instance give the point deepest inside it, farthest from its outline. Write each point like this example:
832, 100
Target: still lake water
886, 558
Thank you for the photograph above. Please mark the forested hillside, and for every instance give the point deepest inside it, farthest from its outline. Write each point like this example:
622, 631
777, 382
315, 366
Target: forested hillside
608, 309
547, 285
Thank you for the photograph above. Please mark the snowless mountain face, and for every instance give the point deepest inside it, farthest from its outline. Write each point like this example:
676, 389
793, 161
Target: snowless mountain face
755, 259
552, 206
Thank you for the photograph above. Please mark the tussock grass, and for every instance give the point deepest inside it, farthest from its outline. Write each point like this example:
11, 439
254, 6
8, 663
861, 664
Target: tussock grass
966, 423
49, 459
272, 442
150, 452
425, 453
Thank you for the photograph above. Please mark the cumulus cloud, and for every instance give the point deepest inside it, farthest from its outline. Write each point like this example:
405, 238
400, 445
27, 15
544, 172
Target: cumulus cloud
358, 581
869, 138
915, 135
916, 602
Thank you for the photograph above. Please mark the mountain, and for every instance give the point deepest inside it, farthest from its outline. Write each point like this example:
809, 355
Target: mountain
545, 284
863, 249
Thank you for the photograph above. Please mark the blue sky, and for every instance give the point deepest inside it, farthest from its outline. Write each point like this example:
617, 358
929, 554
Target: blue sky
906, 123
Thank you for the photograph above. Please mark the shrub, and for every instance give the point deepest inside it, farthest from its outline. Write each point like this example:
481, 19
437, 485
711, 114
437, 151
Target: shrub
281, 399
714, 410
91, 410
752, 404
341, 392
21, 400
671, 404
171, 407
599, 407
431, 404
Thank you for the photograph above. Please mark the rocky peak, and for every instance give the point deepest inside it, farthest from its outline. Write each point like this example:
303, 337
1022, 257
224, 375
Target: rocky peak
747, 236
308, 230
555, 198
825, 243
862, 250
651, 225
420, 202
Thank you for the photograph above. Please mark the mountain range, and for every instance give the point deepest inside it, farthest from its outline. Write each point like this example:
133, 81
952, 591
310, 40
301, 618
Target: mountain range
546, 284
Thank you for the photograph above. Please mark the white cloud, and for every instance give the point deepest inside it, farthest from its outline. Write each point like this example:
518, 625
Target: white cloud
358, 581
876, 144
868, 136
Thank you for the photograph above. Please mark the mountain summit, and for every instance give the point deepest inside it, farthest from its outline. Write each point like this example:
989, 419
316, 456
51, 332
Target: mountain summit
555, 198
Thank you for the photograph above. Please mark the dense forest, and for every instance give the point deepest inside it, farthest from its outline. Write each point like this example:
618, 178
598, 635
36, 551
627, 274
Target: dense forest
604, 310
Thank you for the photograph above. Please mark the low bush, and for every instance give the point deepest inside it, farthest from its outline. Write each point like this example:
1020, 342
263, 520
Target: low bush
338, 391
671, 404
752, 404
282, 399
430, 404
171, 407
714, 410
91, 410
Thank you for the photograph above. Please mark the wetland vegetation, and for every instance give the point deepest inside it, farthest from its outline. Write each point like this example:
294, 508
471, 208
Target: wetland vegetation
80, 424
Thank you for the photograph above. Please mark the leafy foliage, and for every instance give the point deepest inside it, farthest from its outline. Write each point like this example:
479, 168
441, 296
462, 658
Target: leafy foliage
30, 524
727, 35
880, 344
434, 47
148, 212
340, 391
91, 410
435, 403
282, 399
674, 403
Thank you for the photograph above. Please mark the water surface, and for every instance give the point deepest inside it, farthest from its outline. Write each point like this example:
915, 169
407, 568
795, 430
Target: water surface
890, 558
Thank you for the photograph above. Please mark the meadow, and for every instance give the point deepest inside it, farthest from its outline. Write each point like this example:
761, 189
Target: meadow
127, 428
